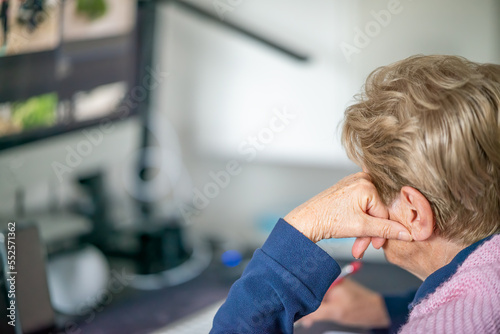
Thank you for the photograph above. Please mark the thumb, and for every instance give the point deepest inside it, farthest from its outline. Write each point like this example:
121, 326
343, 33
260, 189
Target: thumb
385, 228
322, 313
380, 225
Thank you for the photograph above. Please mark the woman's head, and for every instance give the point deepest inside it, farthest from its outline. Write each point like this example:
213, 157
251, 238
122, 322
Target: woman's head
433, 123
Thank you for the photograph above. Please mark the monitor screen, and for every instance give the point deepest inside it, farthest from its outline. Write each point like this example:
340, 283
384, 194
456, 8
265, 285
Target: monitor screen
64, 65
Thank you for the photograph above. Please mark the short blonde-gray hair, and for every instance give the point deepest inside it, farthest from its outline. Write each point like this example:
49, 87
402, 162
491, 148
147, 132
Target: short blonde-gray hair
433, 123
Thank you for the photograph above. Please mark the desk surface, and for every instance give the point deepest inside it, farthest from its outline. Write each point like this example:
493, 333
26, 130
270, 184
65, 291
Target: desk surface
145, 311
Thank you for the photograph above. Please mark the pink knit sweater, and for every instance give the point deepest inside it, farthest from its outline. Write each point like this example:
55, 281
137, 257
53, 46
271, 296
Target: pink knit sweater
469, 302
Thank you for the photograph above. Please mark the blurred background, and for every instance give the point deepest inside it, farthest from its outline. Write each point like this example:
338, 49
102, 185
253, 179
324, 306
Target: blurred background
151, 142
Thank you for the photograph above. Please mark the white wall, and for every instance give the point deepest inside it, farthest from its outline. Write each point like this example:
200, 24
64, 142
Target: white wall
224, 87
229, 85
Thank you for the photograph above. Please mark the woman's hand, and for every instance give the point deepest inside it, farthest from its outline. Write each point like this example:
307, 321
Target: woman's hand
351, 304
351, 208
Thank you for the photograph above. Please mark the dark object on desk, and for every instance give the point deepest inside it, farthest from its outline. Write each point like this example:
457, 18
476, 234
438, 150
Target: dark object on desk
99, 209
160, 244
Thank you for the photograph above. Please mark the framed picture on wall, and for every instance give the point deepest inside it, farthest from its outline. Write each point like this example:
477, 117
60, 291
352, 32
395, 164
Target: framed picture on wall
29, 26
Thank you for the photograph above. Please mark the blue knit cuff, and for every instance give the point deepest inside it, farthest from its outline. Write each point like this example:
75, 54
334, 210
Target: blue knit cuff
302, 258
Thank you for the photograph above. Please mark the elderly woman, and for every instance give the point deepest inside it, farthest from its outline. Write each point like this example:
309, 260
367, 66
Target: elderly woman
426, 133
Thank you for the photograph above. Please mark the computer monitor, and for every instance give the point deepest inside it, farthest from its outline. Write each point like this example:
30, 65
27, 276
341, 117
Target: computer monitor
69, 90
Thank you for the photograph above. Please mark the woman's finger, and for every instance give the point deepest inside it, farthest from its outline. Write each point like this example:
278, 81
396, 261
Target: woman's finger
383, 228
359, 247
377, 243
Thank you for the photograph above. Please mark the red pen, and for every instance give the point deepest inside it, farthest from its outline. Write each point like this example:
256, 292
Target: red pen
347, 270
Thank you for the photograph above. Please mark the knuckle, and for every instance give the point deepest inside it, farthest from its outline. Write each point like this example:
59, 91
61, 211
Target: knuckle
365, 185
369, 185
359, 175
386, 231
364, 176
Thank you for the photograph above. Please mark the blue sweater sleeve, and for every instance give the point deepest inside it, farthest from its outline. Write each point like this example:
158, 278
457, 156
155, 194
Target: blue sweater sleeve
285, 280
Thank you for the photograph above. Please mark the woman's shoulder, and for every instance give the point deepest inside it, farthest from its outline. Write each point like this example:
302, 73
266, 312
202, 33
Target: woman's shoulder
487, 253
470, 298
477, 276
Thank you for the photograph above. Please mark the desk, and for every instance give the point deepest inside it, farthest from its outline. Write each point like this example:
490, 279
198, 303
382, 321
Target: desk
144, 312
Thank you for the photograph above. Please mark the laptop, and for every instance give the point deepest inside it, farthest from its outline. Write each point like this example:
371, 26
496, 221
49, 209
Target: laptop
25, 306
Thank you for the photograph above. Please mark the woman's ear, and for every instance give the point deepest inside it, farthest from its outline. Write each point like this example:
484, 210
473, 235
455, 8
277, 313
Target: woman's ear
417, 213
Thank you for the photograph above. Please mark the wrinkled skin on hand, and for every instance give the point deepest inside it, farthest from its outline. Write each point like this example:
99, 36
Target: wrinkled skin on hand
350, 208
